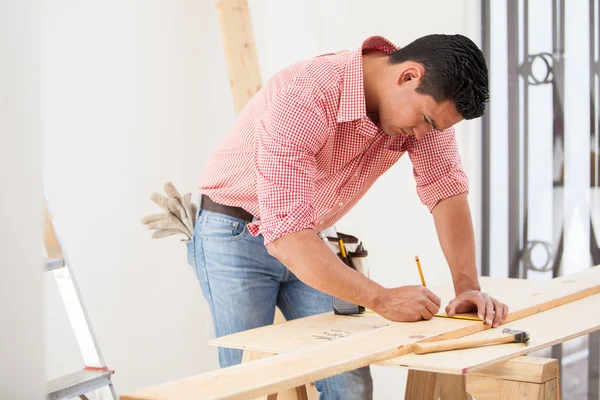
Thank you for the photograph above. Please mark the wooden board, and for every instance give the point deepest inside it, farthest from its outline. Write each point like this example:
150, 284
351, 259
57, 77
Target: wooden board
274, 374
309, 331
546, 329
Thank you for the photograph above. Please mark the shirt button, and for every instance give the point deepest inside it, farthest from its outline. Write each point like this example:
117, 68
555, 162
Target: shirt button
340, 204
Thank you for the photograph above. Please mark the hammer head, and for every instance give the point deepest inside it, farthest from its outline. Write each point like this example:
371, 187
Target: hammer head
520, 336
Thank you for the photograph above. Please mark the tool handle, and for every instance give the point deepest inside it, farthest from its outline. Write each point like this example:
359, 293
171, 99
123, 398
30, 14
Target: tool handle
455, 344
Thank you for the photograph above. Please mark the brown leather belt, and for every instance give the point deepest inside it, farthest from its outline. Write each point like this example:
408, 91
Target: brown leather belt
237, 212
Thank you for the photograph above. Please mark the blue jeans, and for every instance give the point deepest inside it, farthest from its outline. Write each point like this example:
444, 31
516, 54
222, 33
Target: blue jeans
243, 283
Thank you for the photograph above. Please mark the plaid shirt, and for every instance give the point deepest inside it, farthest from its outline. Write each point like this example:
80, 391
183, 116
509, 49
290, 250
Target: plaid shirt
303, 151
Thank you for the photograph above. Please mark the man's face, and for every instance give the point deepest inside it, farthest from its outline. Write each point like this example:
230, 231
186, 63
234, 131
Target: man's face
404, 111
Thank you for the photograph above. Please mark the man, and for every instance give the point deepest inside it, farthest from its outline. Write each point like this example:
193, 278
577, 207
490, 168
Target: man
303, 151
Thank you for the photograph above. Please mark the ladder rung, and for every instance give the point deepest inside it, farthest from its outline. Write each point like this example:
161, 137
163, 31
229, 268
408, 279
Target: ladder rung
77, 383
53, 263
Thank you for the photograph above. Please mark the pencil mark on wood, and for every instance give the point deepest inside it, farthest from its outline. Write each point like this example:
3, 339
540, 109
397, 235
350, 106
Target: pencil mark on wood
332, 334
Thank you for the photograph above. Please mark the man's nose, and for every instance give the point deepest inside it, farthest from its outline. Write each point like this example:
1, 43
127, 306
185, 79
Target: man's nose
420, 133
421, 130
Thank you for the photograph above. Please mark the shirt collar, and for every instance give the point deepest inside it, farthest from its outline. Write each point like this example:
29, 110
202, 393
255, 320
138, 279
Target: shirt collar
352, 100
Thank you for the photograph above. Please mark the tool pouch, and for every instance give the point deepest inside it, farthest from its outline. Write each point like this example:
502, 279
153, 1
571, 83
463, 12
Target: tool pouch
355, 250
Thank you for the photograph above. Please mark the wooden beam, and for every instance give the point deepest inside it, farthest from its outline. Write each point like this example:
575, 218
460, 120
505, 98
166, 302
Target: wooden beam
274, 374
240, 50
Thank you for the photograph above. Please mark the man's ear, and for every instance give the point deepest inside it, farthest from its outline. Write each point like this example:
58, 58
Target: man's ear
410, 71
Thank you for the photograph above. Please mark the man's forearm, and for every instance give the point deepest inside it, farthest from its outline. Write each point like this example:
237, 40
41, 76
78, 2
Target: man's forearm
309, 258
455, 231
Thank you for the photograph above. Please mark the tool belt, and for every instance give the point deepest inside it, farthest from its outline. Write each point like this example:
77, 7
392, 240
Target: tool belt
237, 212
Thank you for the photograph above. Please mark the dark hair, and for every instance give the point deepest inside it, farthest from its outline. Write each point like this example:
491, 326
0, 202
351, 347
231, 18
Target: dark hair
455, 70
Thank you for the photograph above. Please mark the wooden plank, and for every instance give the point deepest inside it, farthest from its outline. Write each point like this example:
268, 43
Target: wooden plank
550, 327
283, 371
309, 331
275, 374
240, 50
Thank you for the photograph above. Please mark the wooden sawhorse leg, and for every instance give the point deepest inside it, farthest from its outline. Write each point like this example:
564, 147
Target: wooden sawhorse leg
522, 377
424, 385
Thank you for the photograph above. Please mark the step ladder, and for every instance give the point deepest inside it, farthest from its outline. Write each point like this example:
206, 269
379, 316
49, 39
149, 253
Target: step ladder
95, 376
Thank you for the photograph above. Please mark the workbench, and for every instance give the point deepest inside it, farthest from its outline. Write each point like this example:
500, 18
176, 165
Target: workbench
327, 344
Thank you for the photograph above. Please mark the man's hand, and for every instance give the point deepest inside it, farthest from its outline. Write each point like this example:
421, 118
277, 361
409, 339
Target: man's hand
489, 309
407, 304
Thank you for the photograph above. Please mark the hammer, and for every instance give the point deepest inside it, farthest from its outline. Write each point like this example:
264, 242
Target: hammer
508, 336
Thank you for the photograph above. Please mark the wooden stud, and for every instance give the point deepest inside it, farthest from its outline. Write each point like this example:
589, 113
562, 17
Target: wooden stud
240, 50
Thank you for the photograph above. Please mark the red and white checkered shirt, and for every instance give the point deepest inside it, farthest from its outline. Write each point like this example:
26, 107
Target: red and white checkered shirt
303, 151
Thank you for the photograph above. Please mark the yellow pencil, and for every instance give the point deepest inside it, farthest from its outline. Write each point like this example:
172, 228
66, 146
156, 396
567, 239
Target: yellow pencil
342, 248
420, 270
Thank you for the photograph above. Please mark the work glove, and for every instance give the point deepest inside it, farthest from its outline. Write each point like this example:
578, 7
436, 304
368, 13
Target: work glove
180, 215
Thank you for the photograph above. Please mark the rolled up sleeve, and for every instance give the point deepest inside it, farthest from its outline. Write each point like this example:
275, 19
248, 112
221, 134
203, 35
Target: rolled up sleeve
291, 131
437, 167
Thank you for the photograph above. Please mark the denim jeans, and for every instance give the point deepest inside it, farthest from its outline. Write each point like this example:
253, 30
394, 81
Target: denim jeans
243, 283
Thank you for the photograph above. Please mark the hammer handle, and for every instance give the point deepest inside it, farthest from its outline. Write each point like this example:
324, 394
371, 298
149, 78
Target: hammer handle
455, 344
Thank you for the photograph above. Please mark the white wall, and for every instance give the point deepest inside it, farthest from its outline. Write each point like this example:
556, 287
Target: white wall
136, 94
21, 330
